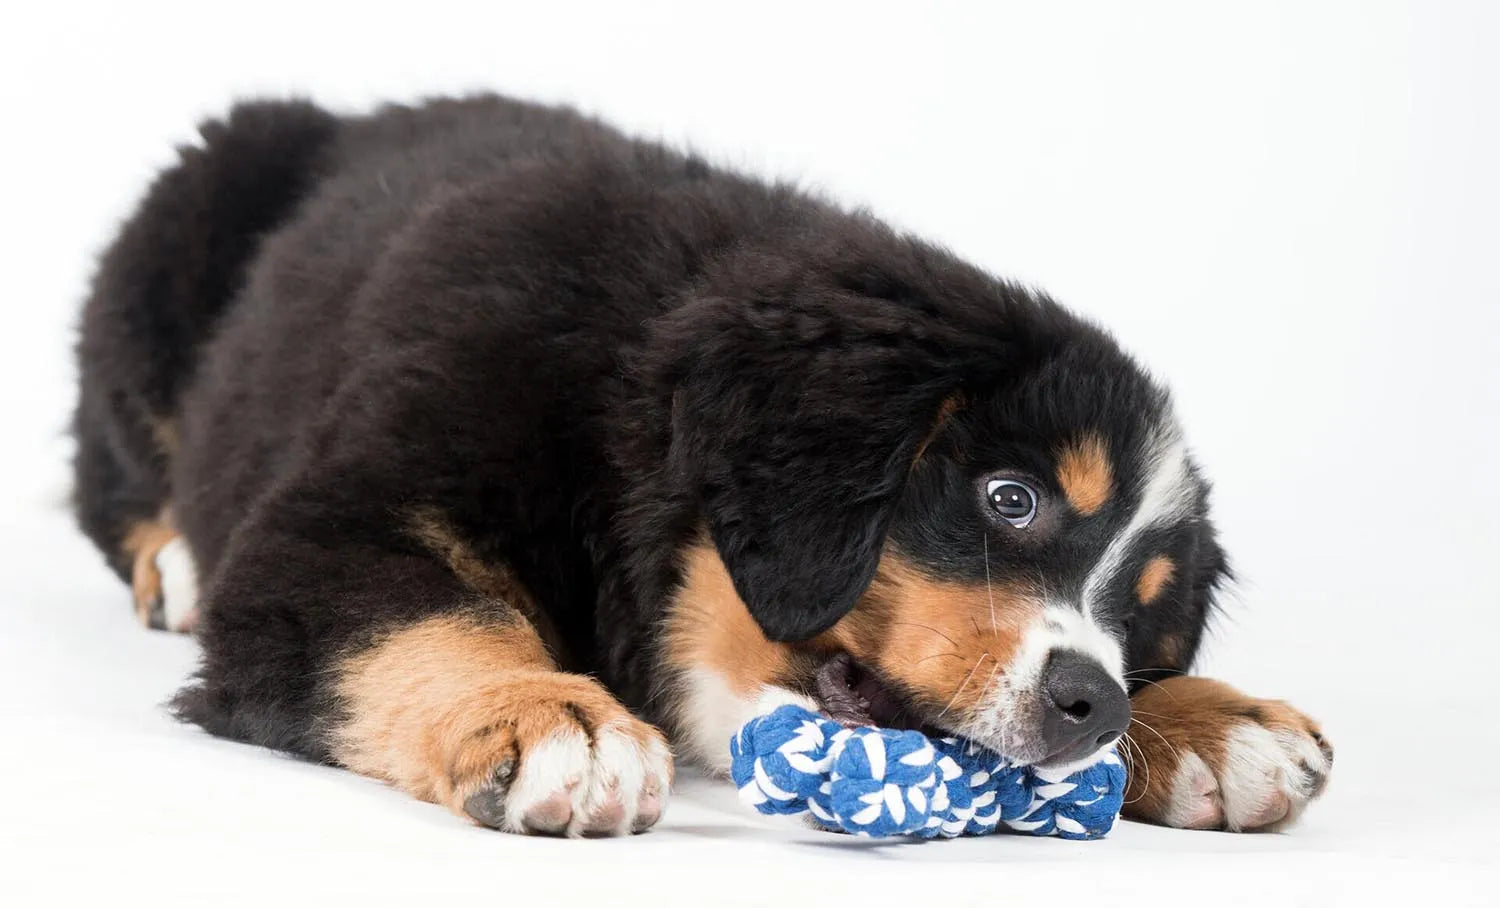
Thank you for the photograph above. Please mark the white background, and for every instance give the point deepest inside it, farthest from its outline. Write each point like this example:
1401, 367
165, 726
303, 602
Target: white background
1291, 211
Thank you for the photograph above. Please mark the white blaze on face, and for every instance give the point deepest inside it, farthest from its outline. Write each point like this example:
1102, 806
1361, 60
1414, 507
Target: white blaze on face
1165, 497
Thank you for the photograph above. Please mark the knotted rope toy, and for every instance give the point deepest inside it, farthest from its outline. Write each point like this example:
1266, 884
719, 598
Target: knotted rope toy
883, 782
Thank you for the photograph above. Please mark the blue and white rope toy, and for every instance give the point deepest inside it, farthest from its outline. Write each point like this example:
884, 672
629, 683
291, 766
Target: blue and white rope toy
883, 782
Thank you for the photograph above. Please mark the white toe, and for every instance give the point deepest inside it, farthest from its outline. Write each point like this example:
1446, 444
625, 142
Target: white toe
179, 584
567, 786
623, 774
548, 793
1263, 782
1194, 802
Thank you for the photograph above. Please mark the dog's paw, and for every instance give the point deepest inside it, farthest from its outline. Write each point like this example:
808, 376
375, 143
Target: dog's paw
562, 759
164, 579
1202, 755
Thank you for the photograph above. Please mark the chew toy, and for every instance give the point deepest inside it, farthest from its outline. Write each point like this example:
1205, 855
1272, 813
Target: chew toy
883, 782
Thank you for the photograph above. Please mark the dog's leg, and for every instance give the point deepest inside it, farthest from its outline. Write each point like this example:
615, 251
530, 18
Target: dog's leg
1203, 755
470, 712
358, 644
163, 578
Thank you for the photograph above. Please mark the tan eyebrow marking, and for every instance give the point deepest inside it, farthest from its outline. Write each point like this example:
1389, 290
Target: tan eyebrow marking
1154, 578
1085, 474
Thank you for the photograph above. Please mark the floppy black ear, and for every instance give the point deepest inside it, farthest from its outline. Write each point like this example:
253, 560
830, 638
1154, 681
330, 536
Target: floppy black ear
1164, 638
1210, 573
798, 424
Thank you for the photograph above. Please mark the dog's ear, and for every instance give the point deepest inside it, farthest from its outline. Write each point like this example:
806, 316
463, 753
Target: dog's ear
1210, 572
1164, 639
797, 425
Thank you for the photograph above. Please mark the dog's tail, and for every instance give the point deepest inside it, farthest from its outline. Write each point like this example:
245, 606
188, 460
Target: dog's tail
180, 258
161, 287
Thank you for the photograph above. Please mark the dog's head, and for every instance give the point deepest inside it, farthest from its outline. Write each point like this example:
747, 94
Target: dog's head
927, 499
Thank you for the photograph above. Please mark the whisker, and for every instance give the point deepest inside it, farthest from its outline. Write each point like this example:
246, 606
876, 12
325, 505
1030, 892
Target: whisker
1125, 755
987, 587
928, 628
984, 691
1046, 589
1159, 735
964, 684
1130, 766
1150, 682
952, 655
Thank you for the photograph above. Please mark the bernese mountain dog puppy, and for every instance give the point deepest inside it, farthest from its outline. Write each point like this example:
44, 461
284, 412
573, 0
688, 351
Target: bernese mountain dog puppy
487, 450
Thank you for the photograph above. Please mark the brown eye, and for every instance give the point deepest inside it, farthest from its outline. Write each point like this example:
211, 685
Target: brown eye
1012, 500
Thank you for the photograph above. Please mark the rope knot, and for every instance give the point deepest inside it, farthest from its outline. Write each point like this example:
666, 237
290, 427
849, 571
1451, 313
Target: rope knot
882, 782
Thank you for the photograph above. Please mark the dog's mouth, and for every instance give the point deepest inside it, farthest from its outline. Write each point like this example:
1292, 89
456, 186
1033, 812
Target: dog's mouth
853, 695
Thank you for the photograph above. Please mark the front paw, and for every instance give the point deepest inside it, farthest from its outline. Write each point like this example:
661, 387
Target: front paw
561, 757
1202, 755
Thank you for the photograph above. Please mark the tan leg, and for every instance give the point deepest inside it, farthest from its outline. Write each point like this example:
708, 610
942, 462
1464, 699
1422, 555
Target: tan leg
473, 714
1205, 756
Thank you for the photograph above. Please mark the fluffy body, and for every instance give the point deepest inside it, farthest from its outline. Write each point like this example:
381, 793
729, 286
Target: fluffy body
589, 436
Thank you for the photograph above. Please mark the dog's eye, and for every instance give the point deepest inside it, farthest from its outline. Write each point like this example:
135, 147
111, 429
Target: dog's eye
1015, 501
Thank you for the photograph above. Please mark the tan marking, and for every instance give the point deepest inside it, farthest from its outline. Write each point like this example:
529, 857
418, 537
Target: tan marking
951, 405
1154, 578
1191, 714
940, 641
436, 707
490, 579
1085, 474
709, 626
140, 545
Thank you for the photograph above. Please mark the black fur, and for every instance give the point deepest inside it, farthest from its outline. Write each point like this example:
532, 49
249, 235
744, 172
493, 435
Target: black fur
160, 290
581, 349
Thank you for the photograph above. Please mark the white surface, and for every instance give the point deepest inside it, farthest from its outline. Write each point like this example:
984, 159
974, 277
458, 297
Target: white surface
1288, 209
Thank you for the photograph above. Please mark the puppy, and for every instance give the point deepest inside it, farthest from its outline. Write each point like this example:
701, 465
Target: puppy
486, 450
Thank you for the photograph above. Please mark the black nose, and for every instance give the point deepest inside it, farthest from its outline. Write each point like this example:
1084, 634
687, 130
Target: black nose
1085, 708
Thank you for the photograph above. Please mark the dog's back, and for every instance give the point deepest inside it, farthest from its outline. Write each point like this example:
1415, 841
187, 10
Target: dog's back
160, 290
342, 188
